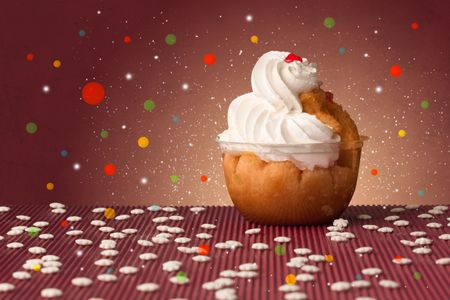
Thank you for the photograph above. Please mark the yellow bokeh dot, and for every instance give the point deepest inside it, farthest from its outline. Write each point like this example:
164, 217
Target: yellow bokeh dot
290, 279
401, 133
50, 186
37, 268
110, 213
56, 63
329, 258
254, 39
143, 142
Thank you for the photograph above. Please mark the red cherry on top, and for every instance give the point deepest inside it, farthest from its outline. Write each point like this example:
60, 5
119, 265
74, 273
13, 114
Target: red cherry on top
292, 57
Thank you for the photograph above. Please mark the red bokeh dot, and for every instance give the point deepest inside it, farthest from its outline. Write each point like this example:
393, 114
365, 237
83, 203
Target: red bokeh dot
93, 93
64, 223
395, 71
374, 172
30, 56
398, 257
110, 169
209, 59
203, 178
203, 249
415, 26
127, 39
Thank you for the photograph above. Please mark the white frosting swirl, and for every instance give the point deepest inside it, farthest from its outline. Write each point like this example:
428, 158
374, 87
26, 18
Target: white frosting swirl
272, 113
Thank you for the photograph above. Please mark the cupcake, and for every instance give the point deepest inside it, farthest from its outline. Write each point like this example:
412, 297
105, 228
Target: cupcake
291, 153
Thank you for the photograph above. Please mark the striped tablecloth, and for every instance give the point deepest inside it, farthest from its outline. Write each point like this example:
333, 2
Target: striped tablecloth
261, 273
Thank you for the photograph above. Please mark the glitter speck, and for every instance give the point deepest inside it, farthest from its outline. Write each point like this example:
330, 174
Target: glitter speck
249, 18
128, 76
378, 89
144, 180
46, 89
76, 166
185, 86
79, 253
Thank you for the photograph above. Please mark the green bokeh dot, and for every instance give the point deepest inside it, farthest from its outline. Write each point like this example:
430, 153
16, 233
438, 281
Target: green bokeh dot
425, 104
149, 105
171, 39
174, 178
104, 134
417, 275
31, 127
421, 192
329, 22
280, 250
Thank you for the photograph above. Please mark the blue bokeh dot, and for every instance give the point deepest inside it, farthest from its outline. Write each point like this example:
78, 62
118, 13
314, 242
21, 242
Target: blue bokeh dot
342, 51
64, 153
82, 33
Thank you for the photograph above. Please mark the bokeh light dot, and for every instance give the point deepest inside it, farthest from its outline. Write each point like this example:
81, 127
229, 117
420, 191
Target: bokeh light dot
401, 133
50, 186
82, 33
254, 39
64, 153
171, 39
143, 142
342, 50
127, 39
374, 172
57, 63
290, 279
414, 26
104, 134
109, 213
174, 179
31, 127
110, 169
149, 105
395, 71
93, 93
424, 104
30, 56
204, 178
329, 22
421, 192
209, 59
176, 119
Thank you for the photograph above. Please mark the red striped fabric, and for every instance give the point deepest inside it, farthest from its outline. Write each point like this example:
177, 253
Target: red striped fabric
346, 265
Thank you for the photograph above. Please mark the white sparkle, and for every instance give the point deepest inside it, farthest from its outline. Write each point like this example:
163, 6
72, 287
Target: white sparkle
128, 76
249, 18
46, 89
375, 31
124, 126
79, 253
366, 55
156, 57
76, 166
378, 89
144, 180
185, 86
99, 12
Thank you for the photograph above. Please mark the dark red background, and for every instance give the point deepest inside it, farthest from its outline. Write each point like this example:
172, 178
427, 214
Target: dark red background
410, 169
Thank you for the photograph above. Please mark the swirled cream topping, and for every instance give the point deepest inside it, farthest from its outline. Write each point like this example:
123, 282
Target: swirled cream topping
272, 113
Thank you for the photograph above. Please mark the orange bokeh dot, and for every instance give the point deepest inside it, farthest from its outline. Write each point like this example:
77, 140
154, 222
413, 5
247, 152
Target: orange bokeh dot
127, 39
395, 71
203, 178
398, 257
203, 249
374, 172
30, 56
93, 93
415, 26
110, 169
209, 59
